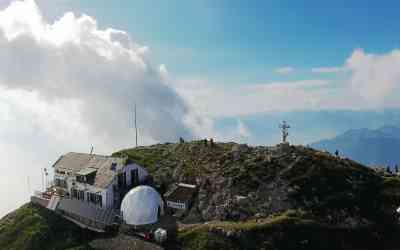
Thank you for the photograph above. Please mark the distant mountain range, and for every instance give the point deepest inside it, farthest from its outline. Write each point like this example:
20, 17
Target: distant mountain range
368, 146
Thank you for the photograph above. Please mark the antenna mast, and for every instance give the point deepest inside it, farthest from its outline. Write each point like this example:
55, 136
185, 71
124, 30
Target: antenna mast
136, 134
29, 185
43, 180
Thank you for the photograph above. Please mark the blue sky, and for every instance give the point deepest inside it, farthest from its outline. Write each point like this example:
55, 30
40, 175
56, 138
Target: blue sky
231, 70
247, 41
232, 44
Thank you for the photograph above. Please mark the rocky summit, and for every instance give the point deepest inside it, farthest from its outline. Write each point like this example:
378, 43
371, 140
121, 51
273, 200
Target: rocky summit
262, 197
239, 182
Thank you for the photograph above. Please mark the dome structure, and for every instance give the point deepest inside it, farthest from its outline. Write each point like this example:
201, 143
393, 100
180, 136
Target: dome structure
141, 206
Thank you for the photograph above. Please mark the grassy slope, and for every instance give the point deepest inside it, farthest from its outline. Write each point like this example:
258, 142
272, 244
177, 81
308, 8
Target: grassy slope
193, 155
288, 231
288, 234
340, 188
321, 182
33, 227
297, 230
333, 182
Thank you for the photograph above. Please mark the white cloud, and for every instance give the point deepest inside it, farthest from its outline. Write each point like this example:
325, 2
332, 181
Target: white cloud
238, 132
32, 135
284, 70
217, 101
103, 70
372, 82
328, 69
292, 84
373, 79
242, 130
68, 85
376, 78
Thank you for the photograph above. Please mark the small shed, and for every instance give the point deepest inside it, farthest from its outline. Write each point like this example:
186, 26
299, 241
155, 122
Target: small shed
181, 196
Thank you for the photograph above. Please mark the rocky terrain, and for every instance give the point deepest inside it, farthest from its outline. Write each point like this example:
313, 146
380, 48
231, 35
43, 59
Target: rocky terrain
281, 197
237, 182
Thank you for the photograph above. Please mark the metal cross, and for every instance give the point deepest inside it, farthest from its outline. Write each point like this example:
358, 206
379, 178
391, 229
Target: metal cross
285, 130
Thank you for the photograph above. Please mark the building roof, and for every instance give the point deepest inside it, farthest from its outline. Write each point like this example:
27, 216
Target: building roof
141, 205
72, 162
87, 211
106, 172
106, 167
182, 193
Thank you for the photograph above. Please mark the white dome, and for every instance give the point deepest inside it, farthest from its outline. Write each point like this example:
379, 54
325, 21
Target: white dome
140, 206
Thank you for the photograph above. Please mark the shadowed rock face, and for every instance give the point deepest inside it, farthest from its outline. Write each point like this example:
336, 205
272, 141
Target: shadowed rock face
238, 182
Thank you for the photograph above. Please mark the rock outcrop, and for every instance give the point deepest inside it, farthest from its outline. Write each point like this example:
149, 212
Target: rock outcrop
238, 182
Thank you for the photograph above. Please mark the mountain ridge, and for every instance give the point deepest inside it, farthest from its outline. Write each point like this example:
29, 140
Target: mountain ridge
368, 146
263, 197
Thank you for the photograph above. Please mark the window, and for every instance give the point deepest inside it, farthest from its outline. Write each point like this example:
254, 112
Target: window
120, 180
60, 183
74, 193
81, 178
99, 200
81, 195
95, 199
134, 177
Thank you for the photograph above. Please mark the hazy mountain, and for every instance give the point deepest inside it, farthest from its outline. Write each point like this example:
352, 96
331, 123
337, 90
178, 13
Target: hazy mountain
368, 146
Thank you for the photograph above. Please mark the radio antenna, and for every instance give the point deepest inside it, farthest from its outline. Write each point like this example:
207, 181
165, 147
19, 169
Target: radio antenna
29, 185
133, 120
136, 133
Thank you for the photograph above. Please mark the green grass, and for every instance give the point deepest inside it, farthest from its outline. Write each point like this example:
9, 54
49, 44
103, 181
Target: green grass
288, 231
146, 157
34, 227
322, 186
325, 184
211, 236
391, 182
321, 181
329, 189
192, 155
